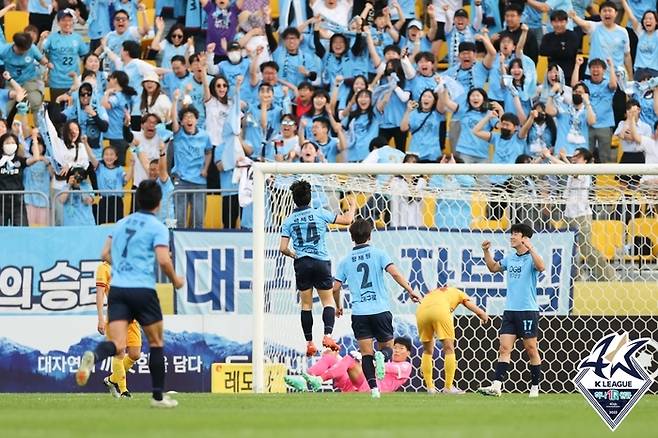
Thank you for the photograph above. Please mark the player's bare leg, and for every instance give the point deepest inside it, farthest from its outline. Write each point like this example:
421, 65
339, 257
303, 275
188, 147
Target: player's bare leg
530, 345
154, 333
504, 357
117, 331
306, 298
427, 366
368, 365
450, 366
328, 318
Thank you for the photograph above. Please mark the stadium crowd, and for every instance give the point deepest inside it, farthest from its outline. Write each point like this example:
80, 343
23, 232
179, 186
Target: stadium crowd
120, 94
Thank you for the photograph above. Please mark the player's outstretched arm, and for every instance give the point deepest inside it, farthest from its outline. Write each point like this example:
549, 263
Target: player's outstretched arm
284, 249
399, 279
480, 313
162, 254
536, 258
492, 265
347, 217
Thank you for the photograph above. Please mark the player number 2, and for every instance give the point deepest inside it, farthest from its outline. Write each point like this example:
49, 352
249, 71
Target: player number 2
130, 232
527, 325
365, 280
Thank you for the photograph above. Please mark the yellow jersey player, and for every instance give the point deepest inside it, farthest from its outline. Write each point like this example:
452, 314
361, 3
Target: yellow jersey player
434, 319
123, 361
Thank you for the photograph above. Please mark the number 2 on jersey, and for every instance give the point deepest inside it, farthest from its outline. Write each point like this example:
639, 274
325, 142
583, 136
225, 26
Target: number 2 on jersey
365, 280
130, 232
312, 235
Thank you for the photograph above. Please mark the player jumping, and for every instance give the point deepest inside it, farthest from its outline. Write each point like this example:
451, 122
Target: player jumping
434, 317
346, 372
307, 227
521, 310
123, 360
134, 245
363, 271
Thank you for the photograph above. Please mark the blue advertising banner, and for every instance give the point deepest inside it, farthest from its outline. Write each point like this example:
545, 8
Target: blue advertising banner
217, 268
44, 270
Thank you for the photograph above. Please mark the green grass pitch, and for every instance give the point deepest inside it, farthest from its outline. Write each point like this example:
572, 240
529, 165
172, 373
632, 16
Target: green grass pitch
316, 415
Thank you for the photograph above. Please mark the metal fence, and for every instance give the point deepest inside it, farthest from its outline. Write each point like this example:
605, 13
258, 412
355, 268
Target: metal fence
202, 208
22, 208
91, 207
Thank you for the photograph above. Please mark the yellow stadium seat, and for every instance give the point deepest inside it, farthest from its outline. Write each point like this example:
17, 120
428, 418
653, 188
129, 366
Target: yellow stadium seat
213, 217
585, 45
428, 210
608, 188
479, 212
647, 228
148, 4
15, 22
150, 18
608, 237
542, 66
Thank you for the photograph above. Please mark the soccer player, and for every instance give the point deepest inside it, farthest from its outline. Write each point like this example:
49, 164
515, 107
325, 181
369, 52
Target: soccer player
521, 310
134, 245
363, 271
434, 318
346, 372
121, 362
307, 227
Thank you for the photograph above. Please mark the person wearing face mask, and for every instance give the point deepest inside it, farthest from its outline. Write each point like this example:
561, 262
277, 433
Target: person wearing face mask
12, 166
539, 130
572, 121
236, 65
507, 146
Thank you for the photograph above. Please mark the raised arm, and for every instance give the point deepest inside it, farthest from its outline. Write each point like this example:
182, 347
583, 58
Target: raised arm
404, 123
575, 75
174, 111
523, 132
612, 77
637, 26
347, 217
492, 265
584, 25
522, 40
478, 130
160, 26
340, 132
539, 6
489, 58
591, 116
536, 258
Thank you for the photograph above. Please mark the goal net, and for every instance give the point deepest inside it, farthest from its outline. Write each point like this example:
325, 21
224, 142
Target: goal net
597, 233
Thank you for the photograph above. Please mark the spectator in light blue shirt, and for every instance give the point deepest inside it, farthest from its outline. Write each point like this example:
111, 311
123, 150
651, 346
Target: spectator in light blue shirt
64, 49
173, 44
77, 199
362, 127
117, 101
192, 155
422, 120
20, 60
98, 21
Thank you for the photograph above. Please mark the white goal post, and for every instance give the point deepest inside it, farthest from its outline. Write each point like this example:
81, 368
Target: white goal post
262, 172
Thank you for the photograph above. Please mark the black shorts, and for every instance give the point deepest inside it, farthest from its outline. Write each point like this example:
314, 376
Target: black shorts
313, 273
128, 303
378, 326
523, 324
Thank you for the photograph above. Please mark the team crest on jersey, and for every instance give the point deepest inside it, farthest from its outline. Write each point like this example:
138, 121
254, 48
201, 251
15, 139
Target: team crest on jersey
616, 374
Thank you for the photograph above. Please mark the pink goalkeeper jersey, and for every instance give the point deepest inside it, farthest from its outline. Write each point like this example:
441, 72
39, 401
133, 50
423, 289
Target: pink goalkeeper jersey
397, 374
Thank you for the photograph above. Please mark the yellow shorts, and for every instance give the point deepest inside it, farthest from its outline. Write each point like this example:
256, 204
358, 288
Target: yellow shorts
134, 336
431, 324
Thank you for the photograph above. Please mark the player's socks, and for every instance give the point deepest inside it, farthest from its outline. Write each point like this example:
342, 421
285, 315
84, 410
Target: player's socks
535, 374
104, 350
119, 374
127, 363
157, 370
450, 363
388, 353
501, 370
329, 319
307, 324
427, 369
368, 366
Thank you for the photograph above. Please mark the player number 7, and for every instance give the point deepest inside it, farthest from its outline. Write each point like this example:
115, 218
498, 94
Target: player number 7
130, 232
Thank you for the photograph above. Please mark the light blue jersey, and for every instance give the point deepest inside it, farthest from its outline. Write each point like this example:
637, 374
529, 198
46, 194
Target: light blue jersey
119, 102
600, 96
521, 282
168, 51
361, 130
22, 67
424, 130
505, 152
198, 97
468, 143
189, 155
572, 130
98, 21
167, 206
474, 77
329, 150
64, 52
36, 178
363, 272
646, 55
77, 212
608, 43
110, 181
35, 7
134, 240
307, 229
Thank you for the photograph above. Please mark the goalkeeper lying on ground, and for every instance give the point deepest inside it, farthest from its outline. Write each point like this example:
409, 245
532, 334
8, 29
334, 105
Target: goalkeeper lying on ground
347, 374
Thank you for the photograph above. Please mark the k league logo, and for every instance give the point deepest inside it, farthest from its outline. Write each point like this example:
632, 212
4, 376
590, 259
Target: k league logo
616, 374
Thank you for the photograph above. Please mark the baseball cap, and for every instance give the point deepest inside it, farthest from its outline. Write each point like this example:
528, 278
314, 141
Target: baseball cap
233, 45
61, 14
461, 13
415, 23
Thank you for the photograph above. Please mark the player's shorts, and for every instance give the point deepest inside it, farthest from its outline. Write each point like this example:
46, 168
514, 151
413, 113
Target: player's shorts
313, 273
126, 304
431, 323
378, 326
523, 324
134, 336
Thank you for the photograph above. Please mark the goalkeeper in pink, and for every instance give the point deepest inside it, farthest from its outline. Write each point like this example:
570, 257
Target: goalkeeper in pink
347, 375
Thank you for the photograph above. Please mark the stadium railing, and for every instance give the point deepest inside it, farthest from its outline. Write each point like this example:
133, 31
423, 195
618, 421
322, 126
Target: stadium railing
13, 205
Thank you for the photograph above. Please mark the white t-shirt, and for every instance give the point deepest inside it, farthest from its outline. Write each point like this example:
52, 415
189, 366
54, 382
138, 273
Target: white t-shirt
340, 14
577, 196
161, 108
453, 6
216, 114
643, 129
151, 147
